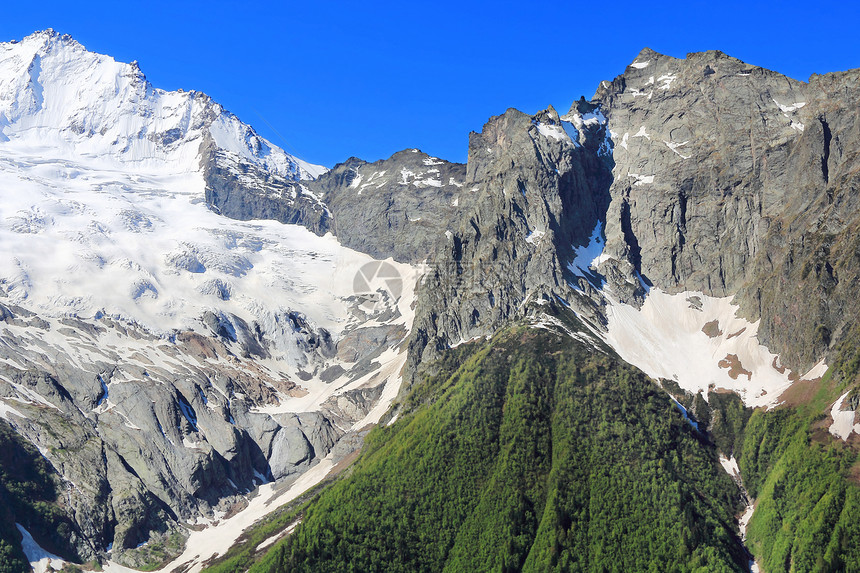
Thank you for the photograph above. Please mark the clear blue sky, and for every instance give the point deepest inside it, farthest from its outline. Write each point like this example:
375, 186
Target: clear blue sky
327, 80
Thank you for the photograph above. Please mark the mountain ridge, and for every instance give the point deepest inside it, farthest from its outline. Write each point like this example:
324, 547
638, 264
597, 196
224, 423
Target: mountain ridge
193, 350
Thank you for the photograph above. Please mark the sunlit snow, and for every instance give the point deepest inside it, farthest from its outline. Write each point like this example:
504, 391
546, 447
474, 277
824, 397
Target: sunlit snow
843, 420
41, 560
666, 339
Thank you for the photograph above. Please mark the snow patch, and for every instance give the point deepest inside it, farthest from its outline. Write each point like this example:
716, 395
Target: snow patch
674, 147
641, 179
642, 133
790, 107
666, 80
6, 410
640, 65
743, 522
843, 420
590, 255
552, 131
730, 465
665, 339
817, 371
535, 236
41, 560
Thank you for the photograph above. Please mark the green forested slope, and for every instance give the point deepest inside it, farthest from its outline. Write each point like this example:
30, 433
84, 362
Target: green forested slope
807, 515
536, 454
28, 495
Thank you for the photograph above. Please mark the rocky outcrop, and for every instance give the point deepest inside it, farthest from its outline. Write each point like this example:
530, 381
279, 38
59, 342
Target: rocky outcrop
152, 434
242, 190
733, 179
691, 140
398, 207
702, 173
540, 188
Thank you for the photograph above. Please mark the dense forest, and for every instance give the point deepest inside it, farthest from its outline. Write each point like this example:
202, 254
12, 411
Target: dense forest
527, 453
531, 452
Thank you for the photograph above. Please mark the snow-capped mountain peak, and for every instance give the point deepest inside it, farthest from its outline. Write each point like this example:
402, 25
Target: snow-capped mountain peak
86, 105
172, 335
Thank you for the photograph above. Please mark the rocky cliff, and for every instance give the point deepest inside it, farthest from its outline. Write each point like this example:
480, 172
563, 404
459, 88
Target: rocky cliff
732, 179
699, 174
398, 207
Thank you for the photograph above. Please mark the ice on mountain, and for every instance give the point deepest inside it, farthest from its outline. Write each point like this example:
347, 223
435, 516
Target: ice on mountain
535, 236
666, 80
77, 102
30, 221
791, 107
641, 179
843, 420
186, 260
6, 410
216, 287
642, 133
143, 288
674, 147
355, 182
730, 465
135, 221
552, 131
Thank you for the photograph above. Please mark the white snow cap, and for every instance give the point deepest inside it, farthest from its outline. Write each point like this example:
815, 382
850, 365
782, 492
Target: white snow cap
59, 96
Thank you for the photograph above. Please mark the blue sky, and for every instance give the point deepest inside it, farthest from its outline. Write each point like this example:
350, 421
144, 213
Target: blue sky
327, 80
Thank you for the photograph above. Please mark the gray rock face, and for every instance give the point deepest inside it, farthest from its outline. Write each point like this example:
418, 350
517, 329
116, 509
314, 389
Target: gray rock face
241, 190
733, 179
715, 176
691, 140
398, 207
153, 432
300, 441
540, 187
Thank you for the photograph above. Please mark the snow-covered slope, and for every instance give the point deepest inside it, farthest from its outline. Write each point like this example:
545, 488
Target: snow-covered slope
163, 357
92, 243
700, 342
